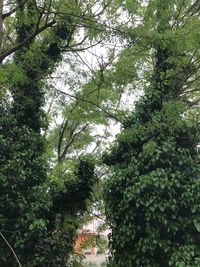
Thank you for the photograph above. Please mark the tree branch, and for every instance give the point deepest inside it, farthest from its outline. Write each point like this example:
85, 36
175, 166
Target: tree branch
61, 134
26, 40
9, 13
3, 237
72, 138
92, 103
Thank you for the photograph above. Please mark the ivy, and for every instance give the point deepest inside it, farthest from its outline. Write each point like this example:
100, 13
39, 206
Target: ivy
153, 193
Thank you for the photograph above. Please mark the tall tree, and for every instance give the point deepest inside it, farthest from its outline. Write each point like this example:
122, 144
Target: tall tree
152, 199
34, 34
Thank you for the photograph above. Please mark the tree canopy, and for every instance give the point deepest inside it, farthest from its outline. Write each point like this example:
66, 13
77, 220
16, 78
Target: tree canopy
54, 97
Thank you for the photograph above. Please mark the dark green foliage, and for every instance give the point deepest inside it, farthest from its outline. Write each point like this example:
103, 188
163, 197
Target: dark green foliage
81, 187
55, 248
24, 198
69, 203
31, 212
153, 198
38, 220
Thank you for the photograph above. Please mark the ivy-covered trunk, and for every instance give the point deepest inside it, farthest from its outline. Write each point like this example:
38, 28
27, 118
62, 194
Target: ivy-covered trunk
30, 204
152, 199
24, 199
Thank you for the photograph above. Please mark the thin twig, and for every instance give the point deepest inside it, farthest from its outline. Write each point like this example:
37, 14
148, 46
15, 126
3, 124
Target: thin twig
112, 116
11, 249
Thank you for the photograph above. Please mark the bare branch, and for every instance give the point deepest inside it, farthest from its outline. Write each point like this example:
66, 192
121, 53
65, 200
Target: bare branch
26, 40
12, 11
72, 137
92, 103
61, 134
3, 237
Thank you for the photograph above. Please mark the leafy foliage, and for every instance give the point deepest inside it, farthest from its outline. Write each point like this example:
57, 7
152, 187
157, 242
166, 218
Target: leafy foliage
32, 210
38, 216
152, 198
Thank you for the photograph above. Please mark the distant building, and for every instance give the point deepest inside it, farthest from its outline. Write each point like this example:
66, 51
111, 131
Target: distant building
85, 241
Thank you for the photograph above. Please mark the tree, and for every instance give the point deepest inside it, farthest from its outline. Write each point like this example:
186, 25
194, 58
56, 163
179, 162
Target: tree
33, 37
152, 198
